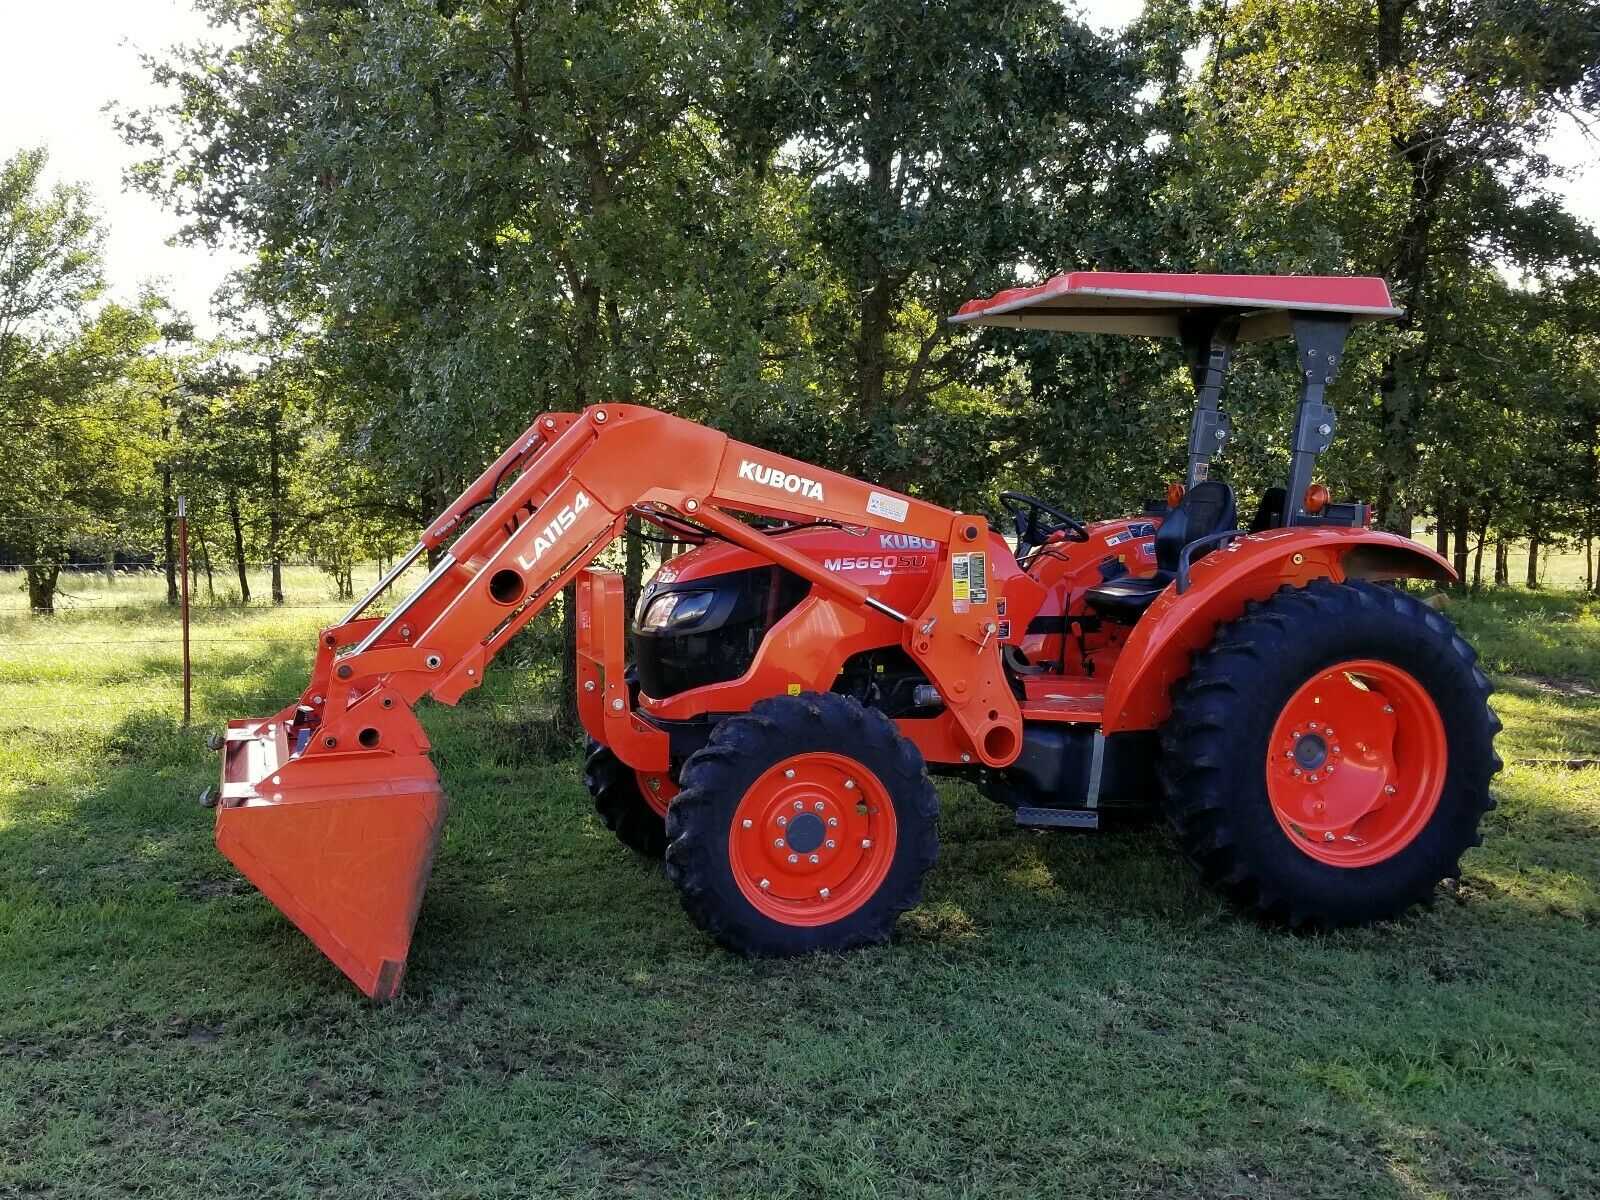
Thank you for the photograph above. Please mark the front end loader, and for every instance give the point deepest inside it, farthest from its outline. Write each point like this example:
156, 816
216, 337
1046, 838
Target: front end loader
768, 716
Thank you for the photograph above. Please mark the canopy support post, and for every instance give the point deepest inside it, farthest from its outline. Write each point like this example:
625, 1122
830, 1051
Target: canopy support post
1319, 338
1208, 340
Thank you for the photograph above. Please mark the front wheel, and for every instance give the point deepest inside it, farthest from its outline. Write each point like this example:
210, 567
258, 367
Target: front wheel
805, 824
632, 804
1328, 758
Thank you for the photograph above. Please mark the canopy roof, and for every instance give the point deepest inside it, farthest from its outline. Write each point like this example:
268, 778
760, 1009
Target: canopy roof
1156, 304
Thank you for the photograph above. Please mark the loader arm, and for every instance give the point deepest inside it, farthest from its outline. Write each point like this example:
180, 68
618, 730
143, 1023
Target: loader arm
332, 806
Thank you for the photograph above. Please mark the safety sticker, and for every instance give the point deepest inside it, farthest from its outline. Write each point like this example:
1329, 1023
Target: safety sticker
891, 507
1139, 530
795, 689
1005, 630
969, 580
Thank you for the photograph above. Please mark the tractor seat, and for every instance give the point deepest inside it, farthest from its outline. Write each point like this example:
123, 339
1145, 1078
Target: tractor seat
1207, 509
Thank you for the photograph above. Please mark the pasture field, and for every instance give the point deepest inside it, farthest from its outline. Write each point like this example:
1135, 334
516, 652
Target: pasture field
1065, 1016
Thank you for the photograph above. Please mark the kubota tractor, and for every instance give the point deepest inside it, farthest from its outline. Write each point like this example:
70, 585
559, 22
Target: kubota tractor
1320, 740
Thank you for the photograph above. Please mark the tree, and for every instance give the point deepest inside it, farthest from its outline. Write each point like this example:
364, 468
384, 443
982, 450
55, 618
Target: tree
1395, 137
76, 451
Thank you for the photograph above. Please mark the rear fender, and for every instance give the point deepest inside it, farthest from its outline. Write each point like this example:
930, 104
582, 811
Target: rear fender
1139, 691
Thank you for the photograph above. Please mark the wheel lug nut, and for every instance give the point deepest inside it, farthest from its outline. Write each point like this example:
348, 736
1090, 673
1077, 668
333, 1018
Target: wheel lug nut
823, 892
1388, 708
1313, 778
778, 842
849, 785
1328, 837
794, 858
1297, 772
832, 821
819, 806
789, 774
798, 806
831, 843
765, 884
783, 820
815, 859
866, 843
1389, 790
746, 823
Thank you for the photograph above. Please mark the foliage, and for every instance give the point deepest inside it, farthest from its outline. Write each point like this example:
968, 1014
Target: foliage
73, 400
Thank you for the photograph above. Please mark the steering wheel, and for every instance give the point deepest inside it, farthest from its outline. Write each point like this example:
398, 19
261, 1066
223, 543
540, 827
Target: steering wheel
1025, 510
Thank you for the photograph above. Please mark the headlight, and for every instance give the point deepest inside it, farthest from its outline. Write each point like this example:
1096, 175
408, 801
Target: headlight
675, 610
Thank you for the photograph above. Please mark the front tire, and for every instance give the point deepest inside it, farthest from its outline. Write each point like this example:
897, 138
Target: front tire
632, 804
805, 824
1329, 756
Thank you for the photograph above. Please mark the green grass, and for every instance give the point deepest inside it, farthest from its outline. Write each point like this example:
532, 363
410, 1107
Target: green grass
1066, 1015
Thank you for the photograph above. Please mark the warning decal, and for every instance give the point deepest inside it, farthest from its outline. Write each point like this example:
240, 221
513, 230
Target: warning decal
969, 580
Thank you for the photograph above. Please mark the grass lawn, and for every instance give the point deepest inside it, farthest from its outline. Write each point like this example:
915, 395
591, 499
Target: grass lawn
1067, 1015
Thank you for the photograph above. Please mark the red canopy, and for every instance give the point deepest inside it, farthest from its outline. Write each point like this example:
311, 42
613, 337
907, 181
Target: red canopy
1153, 304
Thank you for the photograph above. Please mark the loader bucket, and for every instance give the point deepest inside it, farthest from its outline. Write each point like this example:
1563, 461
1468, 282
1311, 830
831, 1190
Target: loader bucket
344, 850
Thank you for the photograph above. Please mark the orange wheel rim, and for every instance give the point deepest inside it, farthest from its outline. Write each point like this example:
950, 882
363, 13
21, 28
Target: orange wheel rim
1356, 763
658, 790
812, 839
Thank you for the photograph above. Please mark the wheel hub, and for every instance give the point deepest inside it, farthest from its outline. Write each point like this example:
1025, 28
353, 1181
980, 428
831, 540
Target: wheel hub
1356, 763
812, 838
1310, 751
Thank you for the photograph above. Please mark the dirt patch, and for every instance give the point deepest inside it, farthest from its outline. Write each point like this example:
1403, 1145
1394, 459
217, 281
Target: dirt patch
1550, 686
210, 889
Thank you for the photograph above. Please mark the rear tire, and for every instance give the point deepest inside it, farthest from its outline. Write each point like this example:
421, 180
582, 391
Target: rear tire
636, 815
805, 824
1350, 678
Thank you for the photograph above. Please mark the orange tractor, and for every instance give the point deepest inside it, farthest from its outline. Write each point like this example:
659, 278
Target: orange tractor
1321, 742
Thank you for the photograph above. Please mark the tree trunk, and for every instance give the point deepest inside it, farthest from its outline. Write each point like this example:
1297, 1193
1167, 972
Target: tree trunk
42, 577
1408, 264
632, 565
238, 547
1533, 560
275, 509
1463, 530
567, 701
1502, 562
1441, 531
1477, 551
169, 510
875, 310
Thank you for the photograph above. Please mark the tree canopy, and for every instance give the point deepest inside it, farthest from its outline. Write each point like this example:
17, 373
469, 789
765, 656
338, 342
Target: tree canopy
760, 215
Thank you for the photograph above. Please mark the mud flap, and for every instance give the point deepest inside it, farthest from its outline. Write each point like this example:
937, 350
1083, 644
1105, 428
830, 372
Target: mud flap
347, 859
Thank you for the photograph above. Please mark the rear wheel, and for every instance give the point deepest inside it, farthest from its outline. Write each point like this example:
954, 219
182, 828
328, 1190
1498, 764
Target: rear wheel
632, 804
1328, 757
805, 824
